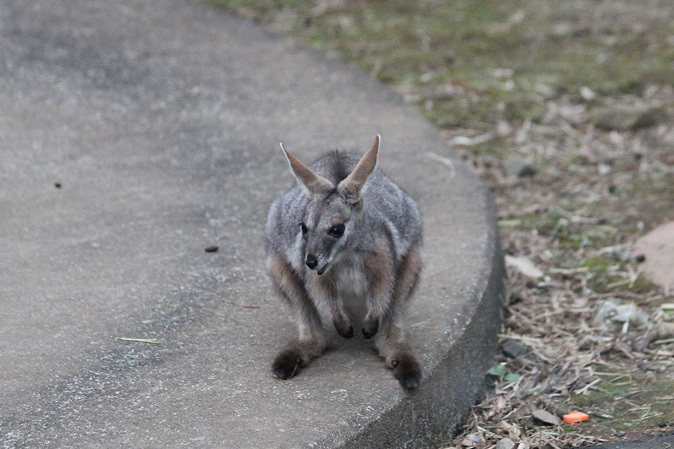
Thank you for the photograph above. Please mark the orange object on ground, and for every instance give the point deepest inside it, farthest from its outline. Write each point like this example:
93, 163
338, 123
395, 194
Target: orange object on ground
575, 417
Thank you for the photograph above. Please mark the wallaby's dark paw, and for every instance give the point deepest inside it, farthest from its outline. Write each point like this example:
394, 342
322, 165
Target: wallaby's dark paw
406, 369
410, 381
370, 327
346, 333
286, 364
344, 328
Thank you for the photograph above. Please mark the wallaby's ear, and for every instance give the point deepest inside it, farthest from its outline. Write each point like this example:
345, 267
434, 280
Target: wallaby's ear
313, 182
353, 184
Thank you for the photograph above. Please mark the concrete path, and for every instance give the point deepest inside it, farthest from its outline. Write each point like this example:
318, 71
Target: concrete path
133, 135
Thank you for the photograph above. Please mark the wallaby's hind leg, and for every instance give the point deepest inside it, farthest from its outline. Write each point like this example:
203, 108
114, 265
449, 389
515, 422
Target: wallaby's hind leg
399, 357
391, 340
294, 356
312, 339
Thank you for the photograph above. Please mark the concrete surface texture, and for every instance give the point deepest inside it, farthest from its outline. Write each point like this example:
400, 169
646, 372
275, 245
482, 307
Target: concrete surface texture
135, 134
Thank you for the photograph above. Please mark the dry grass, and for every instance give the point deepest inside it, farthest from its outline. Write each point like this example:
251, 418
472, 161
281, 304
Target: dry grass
592, 195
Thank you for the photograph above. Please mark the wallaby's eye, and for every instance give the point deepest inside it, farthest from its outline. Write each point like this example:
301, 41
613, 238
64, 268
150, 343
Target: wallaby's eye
304, 228
337, 230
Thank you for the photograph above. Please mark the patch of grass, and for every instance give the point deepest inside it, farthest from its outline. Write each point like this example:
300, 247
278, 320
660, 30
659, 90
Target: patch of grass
545, 223
658, 192
596, 265
516, 54
642, 285
615, 400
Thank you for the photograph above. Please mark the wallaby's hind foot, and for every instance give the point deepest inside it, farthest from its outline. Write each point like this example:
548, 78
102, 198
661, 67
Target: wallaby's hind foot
295, 356
406, 369
286, 364
400, 358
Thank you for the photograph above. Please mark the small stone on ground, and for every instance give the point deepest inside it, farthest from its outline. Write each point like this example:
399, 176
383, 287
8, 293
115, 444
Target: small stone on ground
625, 118
505, 443
658, 249
520, 167
514, 349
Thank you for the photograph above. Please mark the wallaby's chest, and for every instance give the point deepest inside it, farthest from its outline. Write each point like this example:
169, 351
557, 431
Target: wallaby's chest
351, 286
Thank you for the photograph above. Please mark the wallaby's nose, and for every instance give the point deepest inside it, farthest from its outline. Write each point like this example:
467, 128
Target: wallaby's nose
311, 261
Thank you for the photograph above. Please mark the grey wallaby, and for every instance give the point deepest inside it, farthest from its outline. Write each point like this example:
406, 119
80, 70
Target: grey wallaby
345, 243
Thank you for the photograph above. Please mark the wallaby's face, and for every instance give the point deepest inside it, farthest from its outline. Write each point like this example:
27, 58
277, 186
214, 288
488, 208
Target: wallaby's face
332, 211
325, 229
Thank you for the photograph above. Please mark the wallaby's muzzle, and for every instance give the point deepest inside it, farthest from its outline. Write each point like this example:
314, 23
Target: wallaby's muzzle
311, 261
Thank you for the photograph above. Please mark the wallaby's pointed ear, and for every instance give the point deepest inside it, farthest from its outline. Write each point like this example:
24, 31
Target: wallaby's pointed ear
353, 184
313, 182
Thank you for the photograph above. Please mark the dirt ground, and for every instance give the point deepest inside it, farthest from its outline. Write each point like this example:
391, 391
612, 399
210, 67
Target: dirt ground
566, 110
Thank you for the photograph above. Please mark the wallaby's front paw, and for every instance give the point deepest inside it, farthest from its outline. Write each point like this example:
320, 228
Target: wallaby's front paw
343, 327
286, 364
406, 369
370, 327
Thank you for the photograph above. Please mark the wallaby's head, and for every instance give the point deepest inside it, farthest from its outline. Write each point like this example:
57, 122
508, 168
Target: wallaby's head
329, 223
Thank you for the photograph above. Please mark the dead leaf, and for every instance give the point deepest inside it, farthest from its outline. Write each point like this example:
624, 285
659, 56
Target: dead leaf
524, 266
545, 417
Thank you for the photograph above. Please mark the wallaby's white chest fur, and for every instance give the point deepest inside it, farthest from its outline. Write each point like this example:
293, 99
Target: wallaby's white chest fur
351, 286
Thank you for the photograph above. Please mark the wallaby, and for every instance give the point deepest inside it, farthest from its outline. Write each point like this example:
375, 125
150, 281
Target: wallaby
345, 243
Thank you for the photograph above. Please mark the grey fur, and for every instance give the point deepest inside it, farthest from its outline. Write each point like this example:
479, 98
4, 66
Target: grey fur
366, 274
